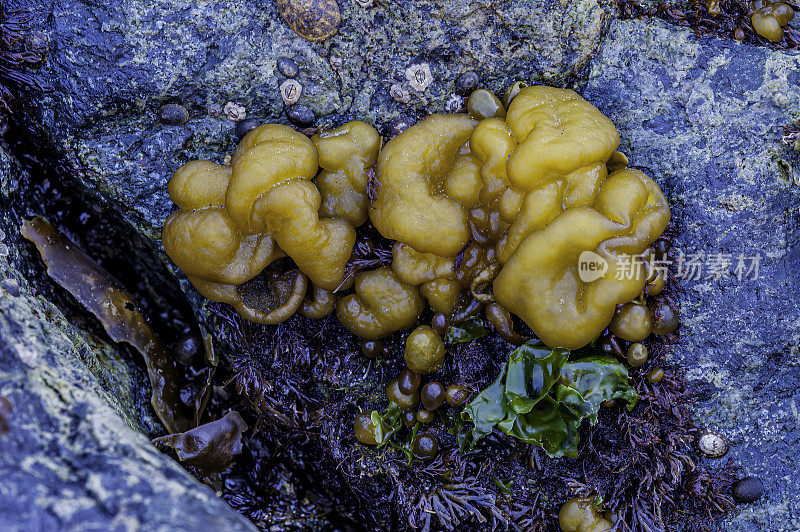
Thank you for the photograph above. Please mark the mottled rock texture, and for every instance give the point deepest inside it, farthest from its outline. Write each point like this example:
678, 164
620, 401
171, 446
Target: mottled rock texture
705, 118
77, 456
112, 64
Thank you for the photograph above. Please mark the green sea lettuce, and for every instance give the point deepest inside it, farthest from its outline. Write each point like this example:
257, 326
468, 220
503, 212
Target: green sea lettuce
466, 331
541, 397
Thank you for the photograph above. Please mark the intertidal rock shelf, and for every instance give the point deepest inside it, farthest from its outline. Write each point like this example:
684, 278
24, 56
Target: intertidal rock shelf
447, 434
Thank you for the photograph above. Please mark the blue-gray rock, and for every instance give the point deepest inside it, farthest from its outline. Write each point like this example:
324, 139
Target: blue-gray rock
705, 117
702, 116
76, 455
118, 61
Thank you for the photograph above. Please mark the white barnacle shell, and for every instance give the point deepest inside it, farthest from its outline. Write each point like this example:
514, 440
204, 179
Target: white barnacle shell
291, 91
419, 76
234, 112
454, 104
399, 93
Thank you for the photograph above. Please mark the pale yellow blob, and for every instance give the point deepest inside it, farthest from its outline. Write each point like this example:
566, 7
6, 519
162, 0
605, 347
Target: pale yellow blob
414, 268
346, 154
558, 132
380, 306
541, 283
410, 206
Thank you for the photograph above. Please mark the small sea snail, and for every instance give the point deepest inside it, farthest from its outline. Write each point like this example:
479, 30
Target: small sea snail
637, 354
313, 20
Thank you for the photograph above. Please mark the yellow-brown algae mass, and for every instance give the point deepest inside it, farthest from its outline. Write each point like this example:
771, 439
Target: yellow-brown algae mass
492, 214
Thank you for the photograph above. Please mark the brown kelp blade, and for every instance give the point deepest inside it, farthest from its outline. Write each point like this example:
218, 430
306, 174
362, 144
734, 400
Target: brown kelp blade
102, 295
210, 447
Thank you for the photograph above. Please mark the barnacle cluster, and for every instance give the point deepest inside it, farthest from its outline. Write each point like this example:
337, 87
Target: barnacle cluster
495, 213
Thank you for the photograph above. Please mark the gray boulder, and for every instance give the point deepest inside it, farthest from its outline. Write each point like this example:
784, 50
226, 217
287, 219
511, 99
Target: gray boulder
705, 117
112, 64
77, 456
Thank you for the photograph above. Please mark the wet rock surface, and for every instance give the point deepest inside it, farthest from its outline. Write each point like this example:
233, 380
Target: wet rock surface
705, 117
77, 455
120, 61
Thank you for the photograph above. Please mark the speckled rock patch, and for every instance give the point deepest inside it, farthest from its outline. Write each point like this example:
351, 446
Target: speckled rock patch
705, 118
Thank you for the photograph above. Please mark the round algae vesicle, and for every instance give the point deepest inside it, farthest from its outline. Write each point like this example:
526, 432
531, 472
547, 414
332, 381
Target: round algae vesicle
424, 351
